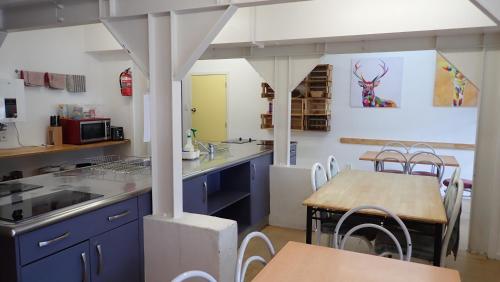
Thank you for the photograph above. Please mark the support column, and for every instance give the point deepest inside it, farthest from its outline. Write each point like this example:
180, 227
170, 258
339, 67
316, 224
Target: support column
166, 118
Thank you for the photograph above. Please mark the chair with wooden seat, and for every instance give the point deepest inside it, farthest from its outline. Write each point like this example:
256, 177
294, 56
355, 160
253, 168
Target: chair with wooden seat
423, 244
332, 167
194, 274
241, 267
391, 156
339, 243
426, 159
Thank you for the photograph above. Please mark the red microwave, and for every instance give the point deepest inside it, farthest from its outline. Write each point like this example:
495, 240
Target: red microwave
83, 131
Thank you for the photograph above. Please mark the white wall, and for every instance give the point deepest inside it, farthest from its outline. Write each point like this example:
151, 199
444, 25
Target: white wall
417, 119
63, 50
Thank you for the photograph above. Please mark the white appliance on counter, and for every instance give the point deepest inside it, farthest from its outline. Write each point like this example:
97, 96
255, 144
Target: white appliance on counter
12, 100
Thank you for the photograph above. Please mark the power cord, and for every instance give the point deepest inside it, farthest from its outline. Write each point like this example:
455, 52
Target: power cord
18, 137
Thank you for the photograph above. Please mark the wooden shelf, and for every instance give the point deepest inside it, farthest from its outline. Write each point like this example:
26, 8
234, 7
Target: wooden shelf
50, 149
224, 198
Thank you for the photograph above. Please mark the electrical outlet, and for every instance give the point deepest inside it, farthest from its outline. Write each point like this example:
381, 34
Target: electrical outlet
3, 136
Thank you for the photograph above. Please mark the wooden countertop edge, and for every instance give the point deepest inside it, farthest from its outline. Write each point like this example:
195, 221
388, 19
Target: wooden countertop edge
40, 150
382, 142
376, 213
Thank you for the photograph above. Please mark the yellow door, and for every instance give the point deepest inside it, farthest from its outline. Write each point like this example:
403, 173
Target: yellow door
208, 110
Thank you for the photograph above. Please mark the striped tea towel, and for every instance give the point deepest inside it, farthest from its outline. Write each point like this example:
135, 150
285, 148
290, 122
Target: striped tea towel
55, 80
75, 83
32, 78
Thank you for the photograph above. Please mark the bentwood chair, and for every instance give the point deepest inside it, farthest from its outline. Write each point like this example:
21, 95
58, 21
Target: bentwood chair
318, 178
194, 274
332, 167
241, 267
340, 243
417, 147
423, 244
391, 156
424, 158
394, 145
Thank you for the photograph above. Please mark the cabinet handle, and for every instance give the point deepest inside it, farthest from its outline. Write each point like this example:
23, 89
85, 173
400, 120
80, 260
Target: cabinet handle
115, 217
205, 192
254, 171
85, 277
100, 265
46, 243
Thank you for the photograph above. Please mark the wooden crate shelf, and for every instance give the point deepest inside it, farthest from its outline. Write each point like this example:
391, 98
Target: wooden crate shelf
266, 121
311, 100
317, 123
317, 106
267, 91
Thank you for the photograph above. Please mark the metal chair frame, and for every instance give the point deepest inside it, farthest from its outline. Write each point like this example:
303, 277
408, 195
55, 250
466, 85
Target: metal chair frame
437, 167
458, 184
316, 169
241, 268
194, 274
379, 161
421, 145
333, 167
395, 144
340, 244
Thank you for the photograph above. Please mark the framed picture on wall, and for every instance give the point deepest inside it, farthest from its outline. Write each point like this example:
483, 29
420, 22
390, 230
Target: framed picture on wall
376, 82
452, 88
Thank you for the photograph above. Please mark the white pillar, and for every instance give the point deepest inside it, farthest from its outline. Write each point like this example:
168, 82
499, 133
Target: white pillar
166, 119
484, 235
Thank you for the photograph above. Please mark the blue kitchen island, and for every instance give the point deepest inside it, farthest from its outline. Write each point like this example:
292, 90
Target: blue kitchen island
86, 224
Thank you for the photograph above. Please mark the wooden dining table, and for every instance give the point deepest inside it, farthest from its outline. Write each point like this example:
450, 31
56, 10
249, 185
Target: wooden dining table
394, 157
415, 199
301, 262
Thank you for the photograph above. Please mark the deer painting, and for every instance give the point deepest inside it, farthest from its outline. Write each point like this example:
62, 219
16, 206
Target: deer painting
368, 96
459, 82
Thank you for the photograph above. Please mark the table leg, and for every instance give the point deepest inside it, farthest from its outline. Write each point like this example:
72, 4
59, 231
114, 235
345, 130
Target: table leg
309, 225
438, 243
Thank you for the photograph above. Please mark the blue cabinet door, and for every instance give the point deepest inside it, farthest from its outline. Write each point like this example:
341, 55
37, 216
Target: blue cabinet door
195, 194
115, 255
259, 193
70, 265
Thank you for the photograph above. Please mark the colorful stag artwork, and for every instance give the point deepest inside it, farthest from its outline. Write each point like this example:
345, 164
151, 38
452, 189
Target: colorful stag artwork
452, 88
376, 69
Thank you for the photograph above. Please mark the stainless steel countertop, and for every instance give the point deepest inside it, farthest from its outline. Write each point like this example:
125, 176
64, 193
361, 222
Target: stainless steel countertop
114, 187
233, 154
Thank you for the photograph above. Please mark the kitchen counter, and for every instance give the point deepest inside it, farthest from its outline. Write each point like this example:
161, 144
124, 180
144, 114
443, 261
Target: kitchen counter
227, 155
114, 187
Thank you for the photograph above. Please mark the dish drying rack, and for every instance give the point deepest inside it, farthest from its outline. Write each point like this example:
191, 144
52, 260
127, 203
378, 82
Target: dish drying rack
113, 163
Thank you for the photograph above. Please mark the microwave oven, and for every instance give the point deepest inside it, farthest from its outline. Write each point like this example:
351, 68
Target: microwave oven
83, 131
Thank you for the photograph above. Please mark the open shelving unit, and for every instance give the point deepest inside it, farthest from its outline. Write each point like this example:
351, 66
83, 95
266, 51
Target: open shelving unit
311, 102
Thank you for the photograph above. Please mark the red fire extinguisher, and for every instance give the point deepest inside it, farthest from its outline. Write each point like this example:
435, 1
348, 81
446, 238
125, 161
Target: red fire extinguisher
126, 82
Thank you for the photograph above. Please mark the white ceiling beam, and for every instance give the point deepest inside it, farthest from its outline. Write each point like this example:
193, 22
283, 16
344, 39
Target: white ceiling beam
123, 8
410, 42
45, 14
491, 8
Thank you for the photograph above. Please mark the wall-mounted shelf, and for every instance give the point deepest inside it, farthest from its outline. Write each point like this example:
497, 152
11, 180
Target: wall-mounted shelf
311, 100
50, 149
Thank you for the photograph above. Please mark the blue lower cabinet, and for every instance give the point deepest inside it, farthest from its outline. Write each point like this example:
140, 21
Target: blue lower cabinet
70, 265
195, 195
259, 188
115, 255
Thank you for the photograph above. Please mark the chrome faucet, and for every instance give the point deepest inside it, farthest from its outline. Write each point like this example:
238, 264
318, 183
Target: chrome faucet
210, 149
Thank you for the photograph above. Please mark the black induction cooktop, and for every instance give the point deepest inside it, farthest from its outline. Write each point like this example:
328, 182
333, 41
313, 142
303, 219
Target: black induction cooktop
21, 209
7, 189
